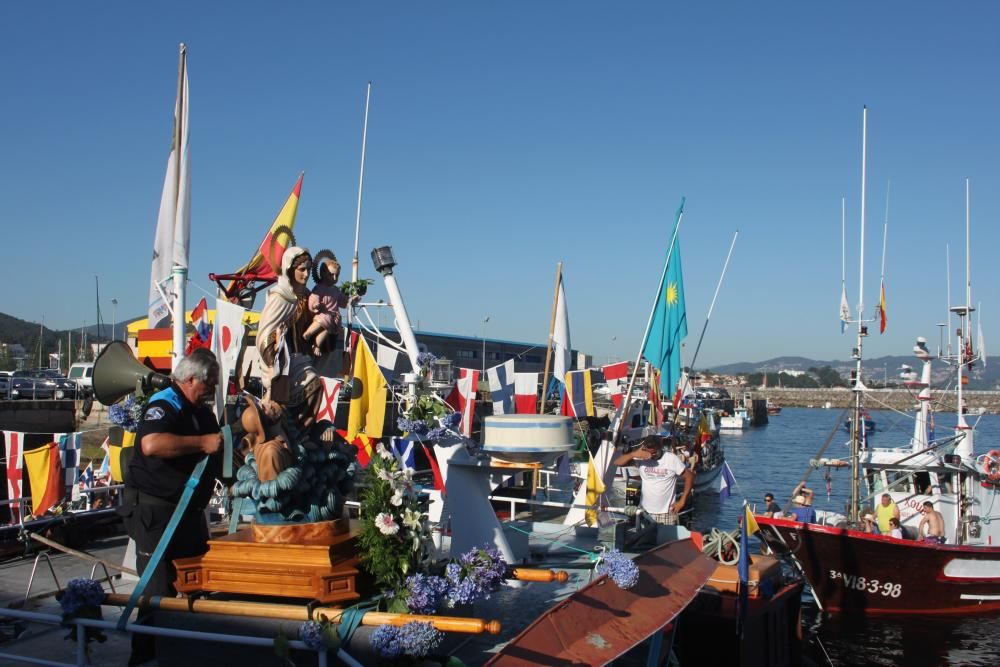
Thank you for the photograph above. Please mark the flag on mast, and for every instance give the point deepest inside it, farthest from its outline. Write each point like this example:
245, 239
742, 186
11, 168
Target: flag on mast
173, 224
669, 324
562, 360
268, 256
881, 309
845, 308
980, 341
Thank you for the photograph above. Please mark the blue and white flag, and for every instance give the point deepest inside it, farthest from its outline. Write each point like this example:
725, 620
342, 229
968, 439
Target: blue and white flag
402, 448
726, 481
501, 379
86, 480
69, 455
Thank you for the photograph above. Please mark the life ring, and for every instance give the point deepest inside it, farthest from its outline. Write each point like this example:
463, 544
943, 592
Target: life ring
991, 465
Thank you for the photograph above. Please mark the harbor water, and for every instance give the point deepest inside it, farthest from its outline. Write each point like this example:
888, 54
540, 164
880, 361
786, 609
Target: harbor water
774, 458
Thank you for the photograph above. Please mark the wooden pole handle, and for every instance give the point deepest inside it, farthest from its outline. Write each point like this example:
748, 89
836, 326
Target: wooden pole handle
532, 574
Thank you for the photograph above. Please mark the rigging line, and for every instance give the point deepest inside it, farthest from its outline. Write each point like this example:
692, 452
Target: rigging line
819, 454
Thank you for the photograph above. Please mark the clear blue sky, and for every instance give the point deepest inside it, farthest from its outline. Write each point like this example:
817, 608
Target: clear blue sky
506, 137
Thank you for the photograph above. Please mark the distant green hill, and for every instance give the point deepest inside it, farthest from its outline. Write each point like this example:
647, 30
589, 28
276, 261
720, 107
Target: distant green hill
24, 333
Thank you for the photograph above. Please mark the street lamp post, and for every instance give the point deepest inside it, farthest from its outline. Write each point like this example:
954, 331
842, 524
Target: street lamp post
114, 319
485, 320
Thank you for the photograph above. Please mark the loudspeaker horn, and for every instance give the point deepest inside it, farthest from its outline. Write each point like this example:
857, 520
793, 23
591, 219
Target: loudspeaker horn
117, 373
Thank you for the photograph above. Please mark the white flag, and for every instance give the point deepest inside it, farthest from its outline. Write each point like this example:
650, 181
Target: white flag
560, 338
227, 338
170, 245
845, 308
385, 357
501, 380
980, 341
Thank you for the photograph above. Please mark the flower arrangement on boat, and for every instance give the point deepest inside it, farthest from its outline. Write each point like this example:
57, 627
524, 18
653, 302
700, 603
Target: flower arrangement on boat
127, 413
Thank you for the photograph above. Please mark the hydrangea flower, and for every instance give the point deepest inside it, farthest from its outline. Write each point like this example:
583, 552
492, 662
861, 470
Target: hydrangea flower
424, 593
478, 573
386, 524
311, 634
620, 569
425, 359
80, 593
126, 414
419, 639
386, 640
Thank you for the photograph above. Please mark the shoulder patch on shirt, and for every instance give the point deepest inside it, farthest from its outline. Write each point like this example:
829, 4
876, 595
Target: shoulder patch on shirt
154, 413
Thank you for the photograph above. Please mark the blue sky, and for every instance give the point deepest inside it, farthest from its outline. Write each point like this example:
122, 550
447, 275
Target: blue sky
506, 137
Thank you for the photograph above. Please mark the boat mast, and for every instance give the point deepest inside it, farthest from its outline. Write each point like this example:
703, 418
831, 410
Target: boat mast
964, 355
858, 424
179, 271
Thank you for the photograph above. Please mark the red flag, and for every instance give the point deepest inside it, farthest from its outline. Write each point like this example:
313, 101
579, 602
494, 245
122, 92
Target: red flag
613, 375
463, 397
566, 406
526, 393
881, 309
435, 470
15, 460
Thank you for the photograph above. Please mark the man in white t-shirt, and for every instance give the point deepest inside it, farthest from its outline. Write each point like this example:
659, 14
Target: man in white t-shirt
659, 469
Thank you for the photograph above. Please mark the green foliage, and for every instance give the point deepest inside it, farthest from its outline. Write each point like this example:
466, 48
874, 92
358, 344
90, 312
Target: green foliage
394, 533
355, 287
427, 408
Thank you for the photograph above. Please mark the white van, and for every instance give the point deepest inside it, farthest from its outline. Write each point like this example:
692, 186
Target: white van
83, 374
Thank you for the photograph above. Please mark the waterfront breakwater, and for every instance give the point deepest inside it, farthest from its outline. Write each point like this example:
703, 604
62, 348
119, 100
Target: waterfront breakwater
896, 398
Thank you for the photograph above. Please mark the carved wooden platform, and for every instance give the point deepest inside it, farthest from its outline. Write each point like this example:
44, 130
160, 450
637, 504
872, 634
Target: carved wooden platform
310, 561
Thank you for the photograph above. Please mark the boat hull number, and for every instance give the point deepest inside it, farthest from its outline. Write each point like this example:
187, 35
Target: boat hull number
855, 582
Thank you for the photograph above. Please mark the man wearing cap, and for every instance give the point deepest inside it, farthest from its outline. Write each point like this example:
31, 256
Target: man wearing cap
659, 469
802, 505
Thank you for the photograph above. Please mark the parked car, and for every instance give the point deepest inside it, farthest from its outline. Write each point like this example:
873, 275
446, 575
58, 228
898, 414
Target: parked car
41, 384
83, 375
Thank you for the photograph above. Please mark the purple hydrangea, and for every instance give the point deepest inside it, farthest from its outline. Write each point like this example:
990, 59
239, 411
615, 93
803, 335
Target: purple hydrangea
424, 593
386, 641
126, 414
478, 573
311, 634
80, 593
419, 639
425, 359
620, 569
415, 426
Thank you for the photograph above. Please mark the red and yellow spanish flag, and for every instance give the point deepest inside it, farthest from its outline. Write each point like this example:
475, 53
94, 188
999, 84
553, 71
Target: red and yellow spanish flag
45, 476
881, 309
368, 395
267, 262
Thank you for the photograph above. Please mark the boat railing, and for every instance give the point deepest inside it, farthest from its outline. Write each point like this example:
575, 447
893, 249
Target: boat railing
80, 626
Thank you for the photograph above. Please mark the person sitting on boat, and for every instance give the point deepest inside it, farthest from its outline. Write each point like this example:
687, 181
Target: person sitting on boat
771, 508
934, 523
802, 508
895, 528
807, 494
659, 469
870, 524
325, 302
886, 510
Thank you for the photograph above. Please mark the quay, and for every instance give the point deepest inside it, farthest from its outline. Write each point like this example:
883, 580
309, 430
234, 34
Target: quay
896, 398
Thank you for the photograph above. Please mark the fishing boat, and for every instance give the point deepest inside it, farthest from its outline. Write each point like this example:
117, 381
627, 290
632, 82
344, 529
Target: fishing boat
773, 408
866, 419
852, 571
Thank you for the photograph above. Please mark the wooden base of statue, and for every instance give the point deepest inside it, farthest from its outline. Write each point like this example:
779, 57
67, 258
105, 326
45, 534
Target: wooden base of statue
312, 561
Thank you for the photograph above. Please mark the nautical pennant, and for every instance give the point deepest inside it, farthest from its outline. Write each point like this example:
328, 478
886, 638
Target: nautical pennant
463, 397
45, 476
526, 393
330, 396
614, 376
13, 449
580, 391
501, 379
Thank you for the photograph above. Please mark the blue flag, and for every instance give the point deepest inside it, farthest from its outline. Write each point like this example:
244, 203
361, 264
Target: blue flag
669, 324
726, 481
743, 568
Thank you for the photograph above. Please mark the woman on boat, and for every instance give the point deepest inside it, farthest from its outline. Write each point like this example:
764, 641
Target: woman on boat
288, 374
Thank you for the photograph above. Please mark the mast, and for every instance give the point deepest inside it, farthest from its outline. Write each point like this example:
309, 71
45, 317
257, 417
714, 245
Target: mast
180, 269
858, 424
361, 183
964, 355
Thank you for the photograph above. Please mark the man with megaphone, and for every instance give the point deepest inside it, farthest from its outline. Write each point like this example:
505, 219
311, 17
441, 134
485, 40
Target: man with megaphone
176, 432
